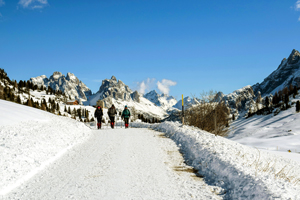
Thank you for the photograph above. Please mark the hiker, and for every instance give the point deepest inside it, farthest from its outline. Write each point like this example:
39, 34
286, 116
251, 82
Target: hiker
126, 115
98, 114
111, 113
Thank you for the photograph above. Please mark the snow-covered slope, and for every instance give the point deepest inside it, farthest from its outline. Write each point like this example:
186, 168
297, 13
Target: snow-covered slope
277, 133
30, 140
70, 84
287, 73
164, 101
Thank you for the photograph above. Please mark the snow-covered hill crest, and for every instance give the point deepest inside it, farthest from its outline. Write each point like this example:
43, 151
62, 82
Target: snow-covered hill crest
287, 73
70, 84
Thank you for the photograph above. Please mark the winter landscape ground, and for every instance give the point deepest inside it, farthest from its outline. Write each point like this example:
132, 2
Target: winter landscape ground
45, 156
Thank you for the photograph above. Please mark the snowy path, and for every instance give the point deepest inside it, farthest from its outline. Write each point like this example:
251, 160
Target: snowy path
117, 164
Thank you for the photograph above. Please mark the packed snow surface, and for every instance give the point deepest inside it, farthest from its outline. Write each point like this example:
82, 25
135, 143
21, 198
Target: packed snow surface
44, 156
60, 158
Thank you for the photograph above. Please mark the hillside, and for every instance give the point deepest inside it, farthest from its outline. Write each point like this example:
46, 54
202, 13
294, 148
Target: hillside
287, 73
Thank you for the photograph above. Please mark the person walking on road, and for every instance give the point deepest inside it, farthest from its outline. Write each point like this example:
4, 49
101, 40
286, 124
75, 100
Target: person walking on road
126, 115
98, 114
111, 113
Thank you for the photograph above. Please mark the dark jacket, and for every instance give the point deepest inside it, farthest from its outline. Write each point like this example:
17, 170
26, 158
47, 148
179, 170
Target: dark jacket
98, 113
112, 112
126, 113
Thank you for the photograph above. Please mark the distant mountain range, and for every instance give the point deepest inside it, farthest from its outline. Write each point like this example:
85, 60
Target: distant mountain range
113, 91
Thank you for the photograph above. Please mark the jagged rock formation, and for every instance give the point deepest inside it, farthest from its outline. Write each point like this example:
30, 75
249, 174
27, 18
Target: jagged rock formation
135, 96
111, 88
287, 73
70, 84
165, 101
237, 99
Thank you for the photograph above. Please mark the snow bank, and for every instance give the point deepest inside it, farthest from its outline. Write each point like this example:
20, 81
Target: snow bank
243, 172
30, 139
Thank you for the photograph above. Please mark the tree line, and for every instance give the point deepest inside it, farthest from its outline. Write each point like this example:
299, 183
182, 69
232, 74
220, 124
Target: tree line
280, 100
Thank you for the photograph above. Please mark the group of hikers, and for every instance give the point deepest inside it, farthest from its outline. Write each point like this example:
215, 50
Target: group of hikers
111, 113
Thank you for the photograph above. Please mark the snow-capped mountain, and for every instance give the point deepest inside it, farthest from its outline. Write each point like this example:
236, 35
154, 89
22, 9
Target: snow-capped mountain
69, 84
113, 91
188, 102
287, 73
237, 100
165, 101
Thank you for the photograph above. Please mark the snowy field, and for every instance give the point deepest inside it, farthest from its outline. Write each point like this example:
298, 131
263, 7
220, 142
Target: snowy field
277, 134
45, 156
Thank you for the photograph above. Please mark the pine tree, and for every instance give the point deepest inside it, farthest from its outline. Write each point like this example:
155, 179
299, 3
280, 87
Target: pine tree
69, 110
267, 102
12, 97
86, 113
65, 109
19, 99
286, 101
74, 112
295, 90
298, 106
57, 107
79, 113
233, 117
291, 89
1, 92
29, 102
43, 107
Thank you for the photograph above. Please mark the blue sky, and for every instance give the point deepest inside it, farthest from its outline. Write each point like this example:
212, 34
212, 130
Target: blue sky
185, 46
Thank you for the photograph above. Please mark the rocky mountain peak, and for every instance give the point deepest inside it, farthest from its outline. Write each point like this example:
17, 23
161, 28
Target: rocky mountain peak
294, 57
111, 88
56, 75
287, 73
70, 84
113, 78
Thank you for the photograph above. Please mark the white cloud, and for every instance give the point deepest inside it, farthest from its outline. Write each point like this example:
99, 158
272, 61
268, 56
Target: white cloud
164, 85
33, 4
145, 85
297, 5
2, 2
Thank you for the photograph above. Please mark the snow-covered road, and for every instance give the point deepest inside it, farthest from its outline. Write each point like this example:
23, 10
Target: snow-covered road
117, 164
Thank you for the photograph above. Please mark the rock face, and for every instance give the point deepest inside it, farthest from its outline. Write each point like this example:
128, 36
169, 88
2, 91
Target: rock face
111, 88
287, 73
135, 96
69, 84
237, 100
163, 100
